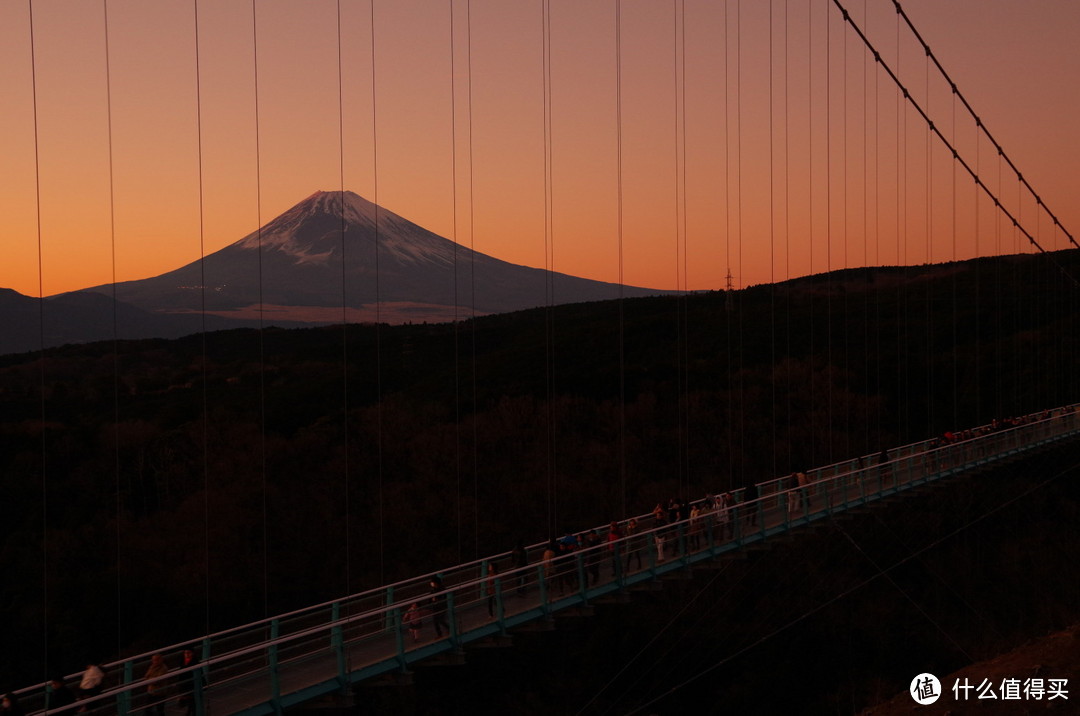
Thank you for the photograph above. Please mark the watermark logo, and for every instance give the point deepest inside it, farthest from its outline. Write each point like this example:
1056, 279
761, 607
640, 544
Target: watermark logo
925, 689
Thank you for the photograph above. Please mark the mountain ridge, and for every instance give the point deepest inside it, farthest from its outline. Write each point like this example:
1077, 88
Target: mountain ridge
333, 257
337, 249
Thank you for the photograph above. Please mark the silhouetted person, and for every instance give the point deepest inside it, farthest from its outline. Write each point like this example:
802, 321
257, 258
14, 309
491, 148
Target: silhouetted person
804, 488
548, 557
190, 680
724, 504
613, 536
489, 586
633, 543
659, 516
10, 706
750, 494
413, 620
884, 469
438, 605
695, 528
93, 681
59, 694
156, 690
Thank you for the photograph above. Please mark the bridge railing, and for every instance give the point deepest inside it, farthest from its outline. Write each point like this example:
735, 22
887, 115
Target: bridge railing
370, 627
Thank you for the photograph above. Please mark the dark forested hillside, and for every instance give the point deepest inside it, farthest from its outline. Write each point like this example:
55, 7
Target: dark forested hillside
157, 490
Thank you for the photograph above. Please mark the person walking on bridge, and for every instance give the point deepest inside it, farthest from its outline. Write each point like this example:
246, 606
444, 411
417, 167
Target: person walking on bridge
191, 686
155, 690
749, 498
438, 605
414, 620
633, 543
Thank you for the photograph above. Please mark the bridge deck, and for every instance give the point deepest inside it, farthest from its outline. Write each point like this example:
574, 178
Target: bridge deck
267, 666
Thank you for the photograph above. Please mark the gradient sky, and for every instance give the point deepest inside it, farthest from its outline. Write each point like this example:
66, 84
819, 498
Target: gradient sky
843, 178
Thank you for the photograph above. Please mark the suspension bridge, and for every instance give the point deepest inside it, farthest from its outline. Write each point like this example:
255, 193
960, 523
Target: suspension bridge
278, 663
864, 152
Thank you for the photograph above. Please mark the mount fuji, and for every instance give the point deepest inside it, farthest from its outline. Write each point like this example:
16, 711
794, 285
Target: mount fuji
336, 254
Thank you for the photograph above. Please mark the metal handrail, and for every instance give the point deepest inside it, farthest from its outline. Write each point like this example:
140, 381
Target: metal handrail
394, 606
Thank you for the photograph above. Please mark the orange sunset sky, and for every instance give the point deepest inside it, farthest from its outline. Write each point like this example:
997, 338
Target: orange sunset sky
757, 137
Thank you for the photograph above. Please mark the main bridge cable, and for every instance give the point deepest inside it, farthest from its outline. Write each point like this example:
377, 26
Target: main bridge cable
882, 572
948, 145
978, 121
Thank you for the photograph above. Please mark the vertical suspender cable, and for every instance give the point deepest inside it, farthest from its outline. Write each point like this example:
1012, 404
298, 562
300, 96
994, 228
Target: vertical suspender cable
202, 325
682, 301
879, 294
680, 467
901, 128
472, 294
931, 283
549, 261
623, 508
738, 233
866, 447
344, 318
456, 322
845, 323
378, 305
813, 428
979, 310
551, 257
41, 371
262, 348
772, 249
1018, 310
828, 236
115, 325
727, 251
787, 228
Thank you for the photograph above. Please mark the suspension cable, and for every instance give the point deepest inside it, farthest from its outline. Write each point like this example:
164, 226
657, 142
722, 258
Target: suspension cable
948, 145
978, 121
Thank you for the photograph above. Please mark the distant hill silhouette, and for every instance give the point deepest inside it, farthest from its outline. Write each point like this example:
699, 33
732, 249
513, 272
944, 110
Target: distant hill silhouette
86, 317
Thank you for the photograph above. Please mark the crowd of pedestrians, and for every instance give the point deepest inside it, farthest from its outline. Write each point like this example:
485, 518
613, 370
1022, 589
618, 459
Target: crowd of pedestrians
158, 692
671, 531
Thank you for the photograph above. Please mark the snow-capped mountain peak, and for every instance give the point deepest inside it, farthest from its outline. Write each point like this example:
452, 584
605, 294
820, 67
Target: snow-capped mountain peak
314, 230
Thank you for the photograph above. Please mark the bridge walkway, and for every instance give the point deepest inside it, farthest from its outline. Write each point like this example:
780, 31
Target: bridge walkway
271, 665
